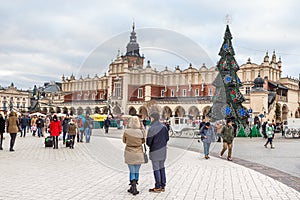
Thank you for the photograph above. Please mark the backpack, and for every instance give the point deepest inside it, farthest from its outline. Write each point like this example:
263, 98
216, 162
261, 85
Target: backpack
201, 125
80, 123
88, 124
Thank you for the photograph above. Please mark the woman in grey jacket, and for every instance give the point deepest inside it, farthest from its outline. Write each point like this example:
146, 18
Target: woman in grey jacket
207, 136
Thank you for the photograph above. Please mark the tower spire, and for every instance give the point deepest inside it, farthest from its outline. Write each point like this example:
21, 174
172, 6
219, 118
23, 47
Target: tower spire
133, 26
132, 47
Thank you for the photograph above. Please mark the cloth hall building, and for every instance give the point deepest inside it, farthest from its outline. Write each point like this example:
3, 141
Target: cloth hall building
133, 86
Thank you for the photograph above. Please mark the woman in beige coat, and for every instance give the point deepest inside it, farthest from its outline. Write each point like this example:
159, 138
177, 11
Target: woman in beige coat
12, 128
134, 138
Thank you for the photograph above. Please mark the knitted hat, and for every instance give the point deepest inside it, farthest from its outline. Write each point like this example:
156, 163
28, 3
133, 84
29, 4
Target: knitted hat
155, 115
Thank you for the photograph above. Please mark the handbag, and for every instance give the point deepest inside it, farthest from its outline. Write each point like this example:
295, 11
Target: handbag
145, 155
145, 150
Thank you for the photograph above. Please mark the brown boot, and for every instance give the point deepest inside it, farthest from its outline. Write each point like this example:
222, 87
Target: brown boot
155, 190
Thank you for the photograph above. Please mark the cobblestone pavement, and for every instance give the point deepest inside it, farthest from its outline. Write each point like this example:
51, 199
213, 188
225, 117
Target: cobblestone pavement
97, 171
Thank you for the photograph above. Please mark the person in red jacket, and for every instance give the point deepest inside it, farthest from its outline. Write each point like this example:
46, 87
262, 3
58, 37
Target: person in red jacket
55, 130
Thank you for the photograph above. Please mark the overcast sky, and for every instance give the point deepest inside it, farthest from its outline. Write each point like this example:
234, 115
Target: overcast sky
42, 40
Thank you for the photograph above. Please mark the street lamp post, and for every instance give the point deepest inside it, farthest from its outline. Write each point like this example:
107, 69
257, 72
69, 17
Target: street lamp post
109, 107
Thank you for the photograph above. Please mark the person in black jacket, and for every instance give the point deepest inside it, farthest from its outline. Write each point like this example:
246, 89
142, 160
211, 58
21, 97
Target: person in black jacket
157, 140
2, 128
106, 124
40, 124
24, 124
65, 127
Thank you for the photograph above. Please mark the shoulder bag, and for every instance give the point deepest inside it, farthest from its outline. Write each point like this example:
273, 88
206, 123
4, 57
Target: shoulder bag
145, 149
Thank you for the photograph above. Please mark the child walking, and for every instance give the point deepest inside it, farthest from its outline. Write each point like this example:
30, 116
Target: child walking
270, 134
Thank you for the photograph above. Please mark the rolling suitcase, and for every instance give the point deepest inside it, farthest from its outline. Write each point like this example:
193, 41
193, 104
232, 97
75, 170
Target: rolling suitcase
48, 141
68, 142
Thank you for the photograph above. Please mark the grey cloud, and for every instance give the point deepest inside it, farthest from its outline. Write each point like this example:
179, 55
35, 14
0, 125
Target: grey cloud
67, 33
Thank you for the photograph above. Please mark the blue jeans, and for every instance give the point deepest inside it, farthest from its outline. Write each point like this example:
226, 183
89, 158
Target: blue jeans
159, 173
39, 131
64, 136
87, 135
206, 148
24, 131
134, 172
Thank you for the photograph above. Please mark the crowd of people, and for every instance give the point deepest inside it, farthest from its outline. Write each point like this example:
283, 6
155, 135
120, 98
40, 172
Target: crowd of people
135, 137
53, 126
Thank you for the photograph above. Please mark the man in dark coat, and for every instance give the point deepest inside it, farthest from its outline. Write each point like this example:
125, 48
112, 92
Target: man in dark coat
40, 124
24, 124
157, 140
106, 124
65, 127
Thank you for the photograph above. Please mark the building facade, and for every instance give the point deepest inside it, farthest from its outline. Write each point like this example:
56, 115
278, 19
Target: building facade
132, 87
276, 90
11, 97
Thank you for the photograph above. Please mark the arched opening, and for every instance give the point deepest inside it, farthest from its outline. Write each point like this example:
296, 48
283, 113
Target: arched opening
285, 111
97, 110
297, 114
143, 112
117, 110
105, 110
132, 111
167, 112
194, 112
45, 110
65, 110
52, 110
205, 111
58, 110
179, 111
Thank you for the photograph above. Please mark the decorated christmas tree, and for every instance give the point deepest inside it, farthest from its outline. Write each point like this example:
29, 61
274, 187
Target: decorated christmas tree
228, 100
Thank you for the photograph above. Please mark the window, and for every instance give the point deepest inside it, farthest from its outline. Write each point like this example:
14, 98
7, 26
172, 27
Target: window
162, 93
78, 96
4, 105
140, 93
210, 92
18, 105
247, 90
117, 90
24, 106
172, 93
101, 95
184, 92
197, 92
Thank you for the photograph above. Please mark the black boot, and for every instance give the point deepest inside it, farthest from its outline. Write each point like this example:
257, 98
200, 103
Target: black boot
130, 189
134, 189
